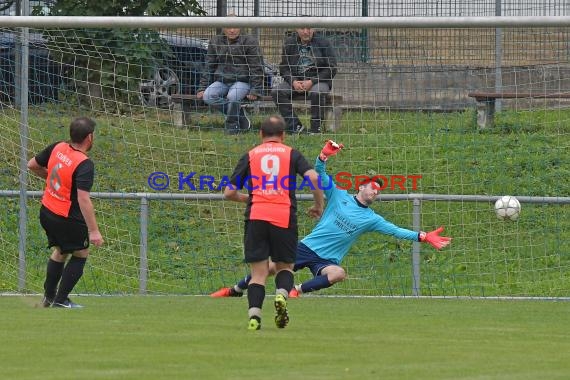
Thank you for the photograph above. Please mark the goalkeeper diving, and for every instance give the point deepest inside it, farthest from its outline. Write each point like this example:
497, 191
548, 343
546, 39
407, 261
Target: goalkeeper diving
344, 219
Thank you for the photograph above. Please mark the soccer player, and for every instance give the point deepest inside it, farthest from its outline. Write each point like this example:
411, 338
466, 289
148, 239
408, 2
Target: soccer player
269, 171
67, 214
345, 218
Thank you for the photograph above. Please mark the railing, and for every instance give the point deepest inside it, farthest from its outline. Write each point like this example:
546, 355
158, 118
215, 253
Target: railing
144, 198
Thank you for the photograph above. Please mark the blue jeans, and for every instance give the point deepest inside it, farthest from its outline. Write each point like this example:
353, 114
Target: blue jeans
229, 98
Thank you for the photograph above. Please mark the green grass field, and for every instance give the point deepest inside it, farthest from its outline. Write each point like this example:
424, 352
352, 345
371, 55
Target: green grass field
181, 337
195, 247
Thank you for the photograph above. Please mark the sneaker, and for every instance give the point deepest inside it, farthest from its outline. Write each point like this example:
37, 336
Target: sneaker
226, 292
294, 293
46, 302
254, 324
281, 315
68, 304
223, 292
244, 122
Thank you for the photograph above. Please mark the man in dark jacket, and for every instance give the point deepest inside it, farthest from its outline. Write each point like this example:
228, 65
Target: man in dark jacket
234, 71
308, 66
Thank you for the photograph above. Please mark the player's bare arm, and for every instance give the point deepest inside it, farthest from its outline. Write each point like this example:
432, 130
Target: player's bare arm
88, 212
37, 169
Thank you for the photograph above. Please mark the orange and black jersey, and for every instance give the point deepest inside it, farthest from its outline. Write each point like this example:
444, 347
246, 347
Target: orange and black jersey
269, 173
68, 170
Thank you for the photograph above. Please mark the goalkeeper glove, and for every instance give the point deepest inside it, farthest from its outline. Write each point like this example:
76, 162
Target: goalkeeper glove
330, 149
433, 238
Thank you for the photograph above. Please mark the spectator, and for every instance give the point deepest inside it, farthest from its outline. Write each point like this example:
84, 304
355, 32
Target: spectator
234, 71
308, 66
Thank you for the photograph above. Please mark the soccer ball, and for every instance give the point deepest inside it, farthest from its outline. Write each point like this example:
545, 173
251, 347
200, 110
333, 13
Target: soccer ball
507, 208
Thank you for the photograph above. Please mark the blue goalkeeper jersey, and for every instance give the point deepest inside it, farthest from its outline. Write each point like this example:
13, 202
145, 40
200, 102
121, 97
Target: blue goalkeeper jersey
344, 220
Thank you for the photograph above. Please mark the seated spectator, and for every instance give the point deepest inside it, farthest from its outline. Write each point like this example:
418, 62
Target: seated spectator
234, 71
308, 66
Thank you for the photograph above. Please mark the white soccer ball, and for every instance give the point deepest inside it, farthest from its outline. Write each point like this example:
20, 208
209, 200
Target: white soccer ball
508, 208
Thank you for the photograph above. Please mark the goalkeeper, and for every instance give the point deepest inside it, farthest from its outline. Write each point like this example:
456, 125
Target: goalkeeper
345, 218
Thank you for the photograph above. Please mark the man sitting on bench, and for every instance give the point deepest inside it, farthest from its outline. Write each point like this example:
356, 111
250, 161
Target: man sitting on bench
235, 64
308, 66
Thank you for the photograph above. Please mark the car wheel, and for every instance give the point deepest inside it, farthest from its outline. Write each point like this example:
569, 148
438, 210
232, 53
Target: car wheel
157, 92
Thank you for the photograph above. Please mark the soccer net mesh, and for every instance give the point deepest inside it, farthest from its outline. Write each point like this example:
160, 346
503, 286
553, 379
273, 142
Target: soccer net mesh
406, 111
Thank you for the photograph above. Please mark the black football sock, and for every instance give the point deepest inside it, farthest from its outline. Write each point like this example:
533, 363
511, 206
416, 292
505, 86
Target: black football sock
284, 282
255, 295
53, 275
71, 275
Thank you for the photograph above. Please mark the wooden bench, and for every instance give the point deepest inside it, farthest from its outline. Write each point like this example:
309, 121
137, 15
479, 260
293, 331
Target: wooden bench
486, 102
185, 104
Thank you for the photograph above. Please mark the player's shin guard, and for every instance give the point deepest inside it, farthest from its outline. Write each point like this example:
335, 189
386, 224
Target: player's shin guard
53, 275
316, 283
284, 282
255, 295
71, 275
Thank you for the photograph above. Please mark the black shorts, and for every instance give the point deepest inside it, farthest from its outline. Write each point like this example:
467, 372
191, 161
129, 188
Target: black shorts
263, 240
68, 234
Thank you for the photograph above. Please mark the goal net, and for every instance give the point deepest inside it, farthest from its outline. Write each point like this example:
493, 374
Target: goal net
406, 112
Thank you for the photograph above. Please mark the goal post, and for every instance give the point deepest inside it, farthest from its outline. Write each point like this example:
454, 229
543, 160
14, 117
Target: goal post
407, 116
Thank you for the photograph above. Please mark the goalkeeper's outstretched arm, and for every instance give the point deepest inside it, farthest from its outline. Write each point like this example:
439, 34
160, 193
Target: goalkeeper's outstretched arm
316, 210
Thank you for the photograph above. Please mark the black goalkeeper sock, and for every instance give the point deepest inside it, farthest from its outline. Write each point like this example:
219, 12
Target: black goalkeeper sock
53, 275
71, 275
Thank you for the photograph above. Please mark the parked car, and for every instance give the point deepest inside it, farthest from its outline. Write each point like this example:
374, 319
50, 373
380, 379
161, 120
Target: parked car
44, 72
176, 72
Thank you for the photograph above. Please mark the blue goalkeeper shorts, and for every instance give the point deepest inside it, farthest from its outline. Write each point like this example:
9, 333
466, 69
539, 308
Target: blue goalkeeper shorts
307, 258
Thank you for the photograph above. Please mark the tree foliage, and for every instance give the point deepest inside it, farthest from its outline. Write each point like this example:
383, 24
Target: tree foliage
108, 63
125, 8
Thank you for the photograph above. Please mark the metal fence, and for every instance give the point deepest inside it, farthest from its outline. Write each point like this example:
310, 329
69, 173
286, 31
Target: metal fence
397, 8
